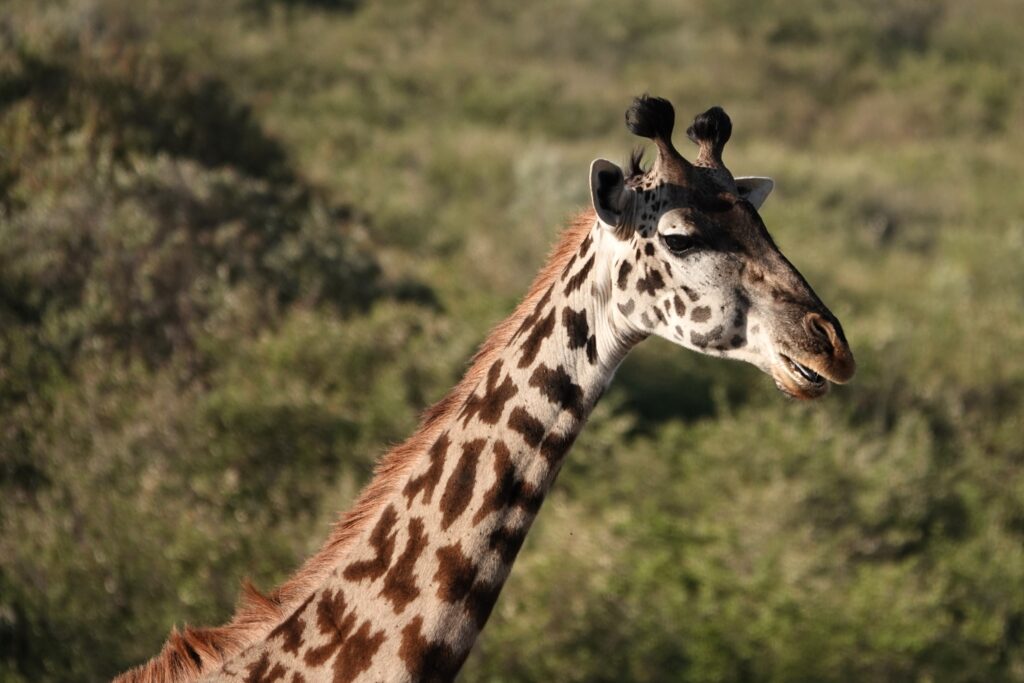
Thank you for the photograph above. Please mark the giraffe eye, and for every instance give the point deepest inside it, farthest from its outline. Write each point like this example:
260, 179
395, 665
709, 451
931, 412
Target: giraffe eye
679, 244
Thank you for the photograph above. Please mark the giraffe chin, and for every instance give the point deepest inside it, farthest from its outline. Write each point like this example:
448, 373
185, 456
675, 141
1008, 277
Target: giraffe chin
797, 380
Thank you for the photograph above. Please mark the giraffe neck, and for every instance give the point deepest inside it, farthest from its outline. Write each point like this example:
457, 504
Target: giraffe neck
418, 584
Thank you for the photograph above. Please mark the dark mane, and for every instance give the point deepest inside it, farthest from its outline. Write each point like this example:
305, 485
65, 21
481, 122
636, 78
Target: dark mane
635, 167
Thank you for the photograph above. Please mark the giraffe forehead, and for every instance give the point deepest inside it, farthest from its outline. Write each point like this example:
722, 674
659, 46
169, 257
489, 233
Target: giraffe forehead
696, 179
705, 204
723, 226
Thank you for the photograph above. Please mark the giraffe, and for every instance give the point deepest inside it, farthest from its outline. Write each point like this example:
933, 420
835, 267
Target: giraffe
409, 576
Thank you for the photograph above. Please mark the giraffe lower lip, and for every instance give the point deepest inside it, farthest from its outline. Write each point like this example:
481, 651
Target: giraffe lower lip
804, 371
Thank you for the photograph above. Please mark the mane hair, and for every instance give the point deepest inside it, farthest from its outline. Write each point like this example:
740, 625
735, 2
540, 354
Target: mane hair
635, 167
192, 652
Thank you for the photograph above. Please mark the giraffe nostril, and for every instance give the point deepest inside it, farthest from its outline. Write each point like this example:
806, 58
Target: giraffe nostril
820, 328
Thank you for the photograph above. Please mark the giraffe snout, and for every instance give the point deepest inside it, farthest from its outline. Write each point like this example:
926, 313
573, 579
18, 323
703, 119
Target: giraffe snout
828, 336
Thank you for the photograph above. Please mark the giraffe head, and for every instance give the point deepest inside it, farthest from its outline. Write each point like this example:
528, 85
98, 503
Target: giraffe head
692, 261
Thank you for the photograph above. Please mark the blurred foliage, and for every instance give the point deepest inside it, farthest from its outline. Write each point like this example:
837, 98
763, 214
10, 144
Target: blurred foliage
243, 244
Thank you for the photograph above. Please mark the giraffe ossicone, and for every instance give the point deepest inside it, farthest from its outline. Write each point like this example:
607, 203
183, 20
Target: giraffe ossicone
408, 578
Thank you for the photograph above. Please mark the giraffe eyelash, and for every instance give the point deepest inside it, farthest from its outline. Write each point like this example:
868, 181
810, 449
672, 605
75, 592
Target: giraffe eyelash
679, 243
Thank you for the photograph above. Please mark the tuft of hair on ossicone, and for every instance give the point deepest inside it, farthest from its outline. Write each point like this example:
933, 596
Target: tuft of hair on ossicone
710, 131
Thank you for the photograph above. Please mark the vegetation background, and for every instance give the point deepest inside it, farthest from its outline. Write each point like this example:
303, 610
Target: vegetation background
243, 243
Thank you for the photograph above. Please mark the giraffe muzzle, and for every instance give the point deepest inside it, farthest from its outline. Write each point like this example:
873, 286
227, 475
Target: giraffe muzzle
798, 380
825, 359
805, 372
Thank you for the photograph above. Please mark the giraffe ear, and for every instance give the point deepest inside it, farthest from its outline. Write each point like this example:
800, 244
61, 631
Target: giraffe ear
755, 189
608, 192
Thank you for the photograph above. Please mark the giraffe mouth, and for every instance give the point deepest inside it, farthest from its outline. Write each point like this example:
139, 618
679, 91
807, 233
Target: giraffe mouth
804, 371
798, 380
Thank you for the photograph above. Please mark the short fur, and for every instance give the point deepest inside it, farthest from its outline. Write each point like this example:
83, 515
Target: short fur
194, 652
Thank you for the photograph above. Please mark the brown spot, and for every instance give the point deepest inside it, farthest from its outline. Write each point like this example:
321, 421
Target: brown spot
382, 540
481, 600
356, 654
490, 406
592, 349
651, 283
700, 314
291, 629
627, 308
331, 620
680, 306
569, 265
399, 583
508, 489
541, 331
576, 327
739, 318
455, 573
355, 647
507, 542
736, 341
527, 425
428, 661
558, 387
531, 320
577, 280
459, 489
703, 340
691, 295
429, 479
585, 245
555, 446
649, 249
624, 271
298, 678
262, 672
